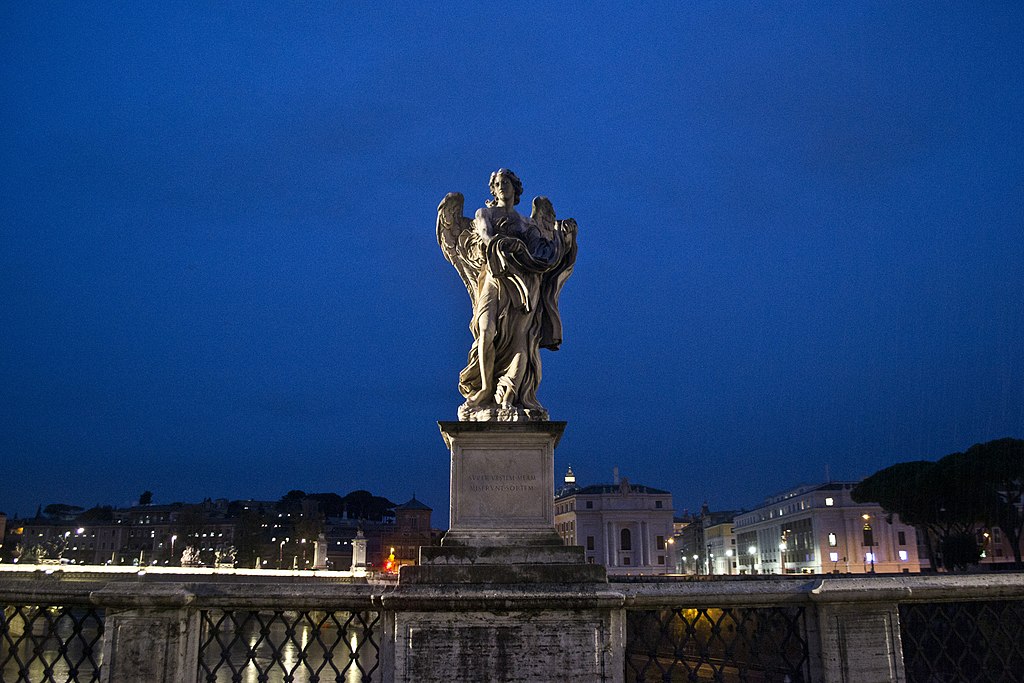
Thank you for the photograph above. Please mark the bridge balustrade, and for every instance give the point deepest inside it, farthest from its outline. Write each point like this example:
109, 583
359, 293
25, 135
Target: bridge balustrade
61, 626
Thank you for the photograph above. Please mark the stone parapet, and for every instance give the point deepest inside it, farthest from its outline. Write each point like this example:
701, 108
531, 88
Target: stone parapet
533, 631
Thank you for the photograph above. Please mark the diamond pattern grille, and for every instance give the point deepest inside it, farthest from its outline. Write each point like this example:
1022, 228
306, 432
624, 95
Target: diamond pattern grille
759, 645
49, 643
963, 642
287, 646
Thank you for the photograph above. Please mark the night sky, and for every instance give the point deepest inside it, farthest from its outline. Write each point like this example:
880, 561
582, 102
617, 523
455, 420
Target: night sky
801, 240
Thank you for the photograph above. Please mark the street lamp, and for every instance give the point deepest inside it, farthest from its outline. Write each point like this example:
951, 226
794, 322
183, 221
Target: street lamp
728, 561
752, 551
869, 539
696, 566
782, 556
280, 553
174, 537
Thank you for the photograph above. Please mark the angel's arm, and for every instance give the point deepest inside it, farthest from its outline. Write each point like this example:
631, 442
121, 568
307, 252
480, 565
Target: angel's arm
483, 227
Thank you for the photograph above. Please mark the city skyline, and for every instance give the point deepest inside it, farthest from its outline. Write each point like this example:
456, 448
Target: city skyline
799, 231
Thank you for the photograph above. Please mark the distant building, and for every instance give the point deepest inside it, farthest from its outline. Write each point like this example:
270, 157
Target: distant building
625, 527
819, 529
720, 546
706, 543
688, 537
244, 533
411, 530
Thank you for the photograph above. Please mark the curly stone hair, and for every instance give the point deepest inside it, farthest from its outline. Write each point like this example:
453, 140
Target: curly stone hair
517, 185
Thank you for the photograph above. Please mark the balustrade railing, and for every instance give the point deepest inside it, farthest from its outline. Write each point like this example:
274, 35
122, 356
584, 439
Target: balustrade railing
901, 628
46, 642
306, 645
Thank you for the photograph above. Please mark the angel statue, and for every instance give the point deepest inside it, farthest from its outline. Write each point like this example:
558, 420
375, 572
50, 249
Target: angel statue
514, 268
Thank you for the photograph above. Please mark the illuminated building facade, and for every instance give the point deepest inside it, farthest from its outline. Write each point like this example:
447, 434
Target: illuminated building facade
819, 529
626, 527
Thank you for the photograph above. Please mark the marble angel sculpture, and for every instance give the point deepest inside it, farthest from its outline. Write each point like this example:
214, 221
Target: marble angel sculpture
514, 268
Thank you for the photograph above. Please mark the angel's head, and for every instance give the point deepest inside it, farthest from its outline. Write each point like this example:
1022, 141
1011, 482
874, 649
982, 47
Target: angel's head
504, 173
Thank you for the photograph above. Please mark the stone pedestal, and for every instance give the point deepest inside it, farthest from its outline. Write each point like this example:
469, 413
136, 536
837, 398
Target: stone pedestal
502, 599
152, 634
502, 483
514, 634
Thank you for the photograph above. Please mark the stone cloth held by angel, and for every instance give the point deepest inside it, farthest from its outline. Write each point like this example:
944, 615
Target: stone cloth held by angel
514, 268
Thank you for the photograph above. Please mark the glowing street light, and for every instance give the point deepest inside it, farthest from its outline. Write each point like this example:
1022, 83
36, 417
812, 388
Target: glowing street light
752, 551
869, 540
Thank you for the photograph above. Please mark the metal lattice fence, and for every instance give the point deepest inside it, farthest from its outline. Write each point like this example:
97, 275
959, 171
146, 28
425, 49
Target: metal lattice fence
963, 642
756, 645
288, 646
50, 643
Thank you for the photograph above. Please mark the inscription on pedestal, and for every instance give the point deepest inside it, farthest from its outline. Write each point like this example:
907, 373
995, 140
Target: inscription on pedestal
502, 483
501, 486
512, 647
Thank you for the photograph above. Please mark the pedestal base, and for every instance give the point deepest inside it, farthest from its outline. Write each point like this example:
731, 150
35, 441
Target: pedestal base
502, 483
472, 635
451, 617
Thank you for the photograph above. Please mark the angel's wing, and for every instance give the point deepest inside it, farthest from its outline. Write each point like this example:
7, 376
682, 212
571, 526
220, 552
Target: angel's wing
459, 243
543, 216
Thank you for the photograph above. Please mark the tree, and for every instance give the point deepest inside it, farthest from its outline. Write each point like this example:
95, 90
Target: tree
997, 469
100, 513
947, 499
960, 550
364, 505
929, 496
61, 511
146, 498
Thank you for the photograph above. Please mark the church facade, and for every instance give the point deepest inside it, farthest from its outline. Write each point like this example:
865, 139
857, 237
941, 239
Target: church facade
625, 527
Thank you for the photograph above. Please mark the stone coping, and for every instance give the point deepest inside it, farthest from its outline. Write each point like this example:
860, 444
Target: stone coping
28, 588
459, 428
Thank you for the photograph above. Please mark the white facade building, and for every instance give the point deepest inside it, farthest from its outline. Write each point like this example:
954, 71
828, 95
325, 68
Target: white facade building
626, 527
819, 529
720, 555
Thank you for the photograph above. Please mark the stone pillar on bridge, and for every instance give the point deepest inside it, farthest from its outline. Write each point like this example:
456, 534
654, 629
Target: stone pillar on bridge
502, 598
152, 633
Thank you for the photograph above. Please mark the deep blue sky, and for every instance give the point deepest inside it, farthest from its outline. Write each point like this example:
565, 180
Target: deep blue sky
801, 239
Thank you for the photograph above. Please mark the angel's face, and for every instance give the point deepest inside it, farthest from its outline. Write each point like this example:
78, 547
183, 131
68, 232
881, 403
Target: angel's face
503, 190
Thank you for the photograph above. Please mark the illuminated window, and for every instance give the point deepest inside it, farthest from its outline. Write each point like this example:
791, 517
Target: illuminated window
833, 557
829, 502
904, 556
832, 540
